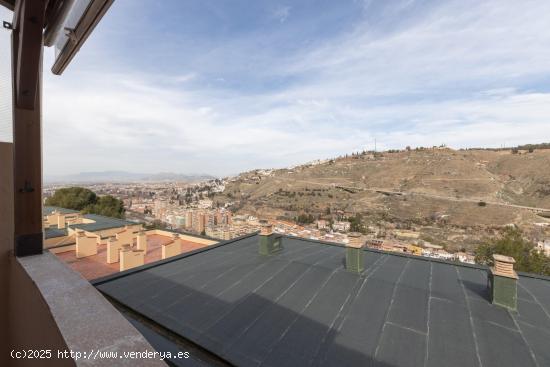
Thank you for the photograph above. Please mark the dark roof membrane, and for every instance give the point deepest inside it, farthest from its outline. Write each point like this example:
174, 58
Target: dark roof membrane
301, 307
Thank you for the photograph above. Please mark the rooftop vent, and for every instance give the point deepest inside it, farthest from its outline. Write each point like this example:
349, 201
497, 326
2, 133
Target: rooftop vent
61, 221
503, 282
269, 242
142, 241
355, 261
172, 248
130, 257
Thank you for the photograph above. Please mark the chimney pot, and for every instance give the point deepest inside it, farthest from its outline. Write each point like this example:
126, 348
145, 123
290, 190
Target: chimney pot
266, 228
503, 282
269, 243
142, 241
355, 261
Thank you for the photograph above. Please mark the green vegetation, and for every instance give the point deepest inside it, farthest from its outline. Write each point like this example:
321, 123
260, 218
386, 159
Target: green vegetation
532, 147
305, 219
356, 223
86, 201
156, 224
513, 244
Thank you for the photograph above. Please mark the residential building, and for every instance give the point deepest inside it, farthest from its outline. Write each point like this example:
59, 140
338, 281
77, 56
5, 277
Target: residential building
92, 244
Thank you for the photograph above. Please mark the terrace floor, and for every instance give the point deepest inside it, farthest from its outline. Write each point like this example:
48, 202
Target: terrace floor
96, 266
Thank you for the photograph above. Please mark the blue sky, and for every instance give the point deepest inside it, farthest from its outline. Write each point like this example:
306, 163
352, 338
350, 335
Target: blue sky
226, 86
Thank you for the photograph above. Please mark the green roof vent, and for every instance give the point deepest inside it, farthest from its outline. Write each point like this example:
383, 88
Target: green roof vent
269, 242
503, 282
355, 261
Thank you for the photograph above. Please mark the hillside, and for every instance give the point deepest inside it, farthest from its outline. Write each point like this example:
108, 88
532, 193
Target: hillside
433, 188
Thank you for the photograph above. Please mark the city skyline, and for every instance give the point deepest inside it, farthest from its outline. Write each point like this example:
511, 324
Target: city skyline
224, 88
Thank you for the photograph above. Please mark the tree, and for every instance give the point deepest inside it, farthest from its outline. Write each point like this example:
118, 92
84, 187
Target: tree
356, 223
86, 201
156, 224
108, 206
76, 198
512, 243
305, 219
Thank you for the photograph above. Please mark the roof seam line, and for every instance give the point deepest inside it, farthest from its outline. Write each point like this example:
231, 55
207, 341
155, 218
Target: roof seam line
406, 328
470, 317
299, 314
536, 300
394, 291
276, 299
428, 317
373, 268
259, 286
524, 339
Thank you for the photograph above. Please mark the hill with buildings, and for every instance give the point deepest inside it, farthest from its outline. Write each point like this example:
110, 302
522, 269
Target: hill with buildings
453, 197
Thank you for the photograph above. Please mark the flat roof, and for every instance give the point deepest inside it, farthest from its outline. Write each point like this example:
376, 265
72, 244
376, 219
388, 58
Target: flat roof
301, 307
47, 210
96, 266
101, 223
53, 232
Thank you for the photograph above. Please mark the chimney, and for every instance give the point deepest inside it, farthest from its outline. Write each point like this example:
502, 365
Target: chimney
269, 242
60, 221
354, 253
503, 282
113, 248
130, 258
142, 241
173, 248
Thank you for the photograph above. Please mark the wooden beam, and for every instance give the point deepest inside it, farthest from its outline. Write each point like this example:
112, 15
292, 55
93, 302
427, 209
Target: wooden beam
27, 128
10, 4
28, 25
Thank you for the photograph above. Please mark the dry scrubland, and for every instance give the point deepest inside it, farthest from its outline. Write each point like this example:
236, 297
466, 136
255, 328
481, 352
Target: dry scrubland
436, 191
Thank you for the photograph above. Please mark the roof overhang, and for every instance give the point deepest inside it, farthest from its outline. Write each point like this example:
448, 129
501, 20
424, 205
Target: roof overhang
10, 4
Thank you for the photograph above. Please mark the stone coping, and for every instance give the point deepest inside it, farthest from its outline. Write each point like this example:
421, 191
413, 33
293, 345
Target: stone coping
87, 320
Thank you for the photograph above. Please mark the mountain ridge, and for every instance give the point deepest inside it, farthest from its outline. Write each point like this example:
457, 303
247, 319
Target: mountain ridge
125, 176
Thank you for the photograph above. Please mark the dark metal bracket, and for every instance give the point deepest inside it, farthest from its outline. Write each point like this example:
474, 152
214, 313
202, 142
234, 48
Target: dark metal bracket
27, 187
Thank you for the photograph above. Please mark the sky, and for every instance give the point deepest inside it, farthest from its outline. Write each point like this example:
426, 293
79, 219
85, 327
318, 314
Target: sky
220, 87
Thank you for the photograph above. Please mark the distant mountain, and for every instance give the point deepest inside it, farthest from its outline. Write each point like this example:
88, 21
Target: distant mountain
123, 176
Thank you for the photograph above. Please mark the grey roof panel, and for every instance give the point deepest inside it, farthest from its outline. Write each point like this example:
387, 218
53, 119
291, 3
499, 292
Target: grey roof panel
237, 319
54, 232
301, 341
445, 285
47, 210
499, 346
450, 341
538, 341
411, 295
360, 333
532, 313
301, 307
263, 334
401, 347
101, 223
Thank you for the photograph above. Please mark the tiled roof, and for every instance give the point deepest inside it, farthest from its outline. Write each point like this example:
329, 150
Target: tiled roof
301, 307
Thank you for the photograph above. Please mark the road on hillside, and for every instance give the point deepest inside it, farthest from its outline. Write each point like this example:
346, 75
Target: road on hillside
413, 193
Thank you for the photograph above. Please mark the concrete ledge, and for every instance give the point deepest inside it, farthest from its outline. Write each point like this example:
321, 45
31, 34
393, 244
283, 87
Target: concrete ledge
86, 320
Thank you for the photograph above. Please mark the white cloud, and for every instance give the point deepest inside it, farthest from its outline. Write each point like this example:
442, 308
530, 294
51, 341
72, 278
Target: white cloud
282, 13
462, 73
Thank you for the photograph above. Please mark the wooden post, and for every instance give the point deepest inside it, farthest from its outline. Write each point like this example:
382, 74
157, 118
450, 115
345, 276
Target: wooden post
27, 127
